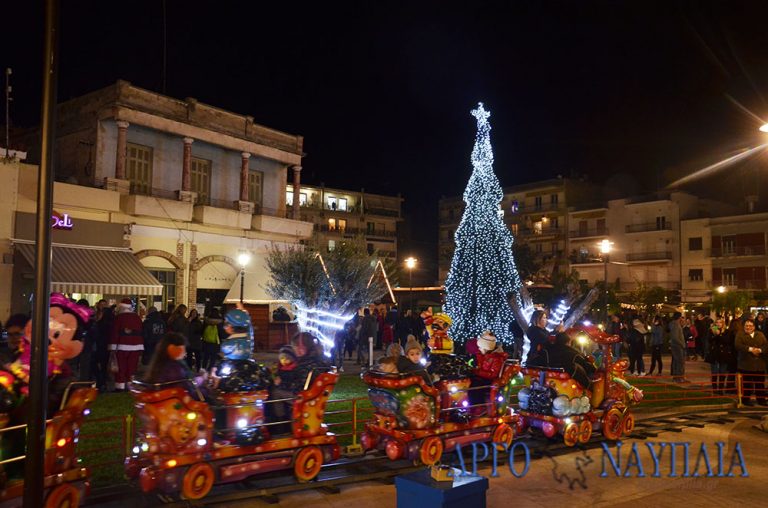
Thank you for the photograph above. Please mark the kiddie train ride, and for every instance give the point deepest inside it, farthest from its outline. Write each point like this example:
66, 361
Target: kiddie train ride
187, 445
418, 421
554, 403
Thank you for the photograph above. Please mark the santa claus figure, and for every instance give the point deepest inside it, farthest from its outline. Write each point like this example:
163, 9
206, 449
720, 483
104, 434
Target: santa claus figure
126, 343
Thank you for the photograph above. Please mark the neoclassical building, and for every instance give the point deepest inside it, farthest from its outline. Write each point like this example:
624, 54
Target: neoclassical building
175, 187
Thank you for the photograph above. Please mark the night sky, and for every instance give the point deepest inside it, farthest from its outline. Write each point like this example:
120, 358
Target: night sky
633, 94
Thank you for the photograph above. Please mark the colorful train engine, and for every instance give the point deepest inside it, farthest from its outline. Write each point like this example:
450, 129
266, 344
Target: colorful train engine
418, 421
555, 403
186, 446
65, 481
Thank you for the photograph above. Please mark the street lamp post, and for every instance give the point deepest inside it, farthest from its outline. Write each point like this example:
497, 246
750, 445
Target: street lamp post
243, 259
605, 250
410, 263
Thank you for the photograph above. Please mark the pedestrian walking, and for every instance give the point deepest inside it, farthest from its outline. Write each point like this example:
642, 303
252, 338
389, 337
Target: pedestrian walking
657, 343
751, 347
153, 331
677, 346
195, 341
720, 355
636, 339
211, 340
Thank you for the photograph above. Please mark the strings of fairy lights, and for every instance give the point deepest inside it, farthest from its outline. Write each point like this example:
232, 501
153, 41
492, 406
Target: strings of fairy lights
482, 270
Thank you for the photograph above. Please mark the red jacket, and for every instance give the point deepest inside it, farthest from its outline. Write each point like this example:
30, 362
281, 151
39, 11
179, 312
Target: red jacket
489, 365
127, 333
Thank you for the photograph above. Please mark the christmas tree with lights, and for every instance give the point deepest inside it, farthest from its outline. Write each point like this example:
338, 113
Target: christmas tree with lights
482, 270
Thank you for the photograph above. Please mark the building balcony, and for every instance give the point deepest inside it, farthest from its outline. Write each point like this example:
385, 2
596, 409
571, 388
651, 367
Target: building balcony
736, 284
267, 223
356, 231
588, 233
644, 257
648, 227
543, 207
533, 234
220, 216
585, 260
739, 250
366, 210
158, 203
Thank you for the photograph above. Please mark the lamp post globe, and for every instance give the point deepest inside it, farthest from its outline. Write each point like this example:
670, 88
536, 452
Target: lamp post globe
410, 263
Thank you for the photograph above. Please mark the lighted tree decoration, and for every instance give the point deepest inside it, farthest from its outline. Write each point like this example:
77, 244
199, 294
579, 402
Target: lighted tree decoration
483, 270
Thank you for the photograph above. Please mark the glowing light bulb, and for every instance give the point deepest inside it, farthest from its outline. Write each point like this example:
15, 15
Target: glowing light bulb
136, 450
202, 442
242, 423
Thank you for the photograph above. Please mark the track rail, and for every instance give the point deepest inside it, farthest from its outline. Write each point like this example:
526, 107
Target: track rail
380, 468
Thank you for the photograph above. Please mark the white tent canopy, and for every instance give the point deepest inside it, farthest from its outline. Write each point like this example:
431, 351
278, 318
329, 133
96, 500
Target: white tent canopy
255, 289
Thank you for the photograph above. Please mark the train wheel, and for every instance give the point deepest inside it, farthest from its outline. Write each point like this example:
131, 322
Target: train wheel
368, 441
63, 496
394, 449
197, 481
431, 450
629, 423
585, 431
503, 436
308, 463
612, 424
571, 434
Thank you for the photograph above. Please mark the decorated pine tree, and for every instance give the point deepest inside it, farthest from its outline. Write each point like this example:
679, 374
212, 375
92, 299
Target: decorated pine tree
482, 270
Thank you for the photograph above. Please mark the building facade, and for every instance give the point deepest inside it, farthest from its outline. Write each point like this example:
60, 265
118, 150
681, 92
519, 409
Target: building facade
338, 214
189, 186
728, 252
536, 213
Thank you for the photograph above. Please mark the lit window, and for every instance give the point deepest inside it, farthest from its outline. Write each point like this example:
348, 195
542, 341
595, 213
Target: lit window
343, 204
333, 204
537, 227
331, 245
331, 224
342, 224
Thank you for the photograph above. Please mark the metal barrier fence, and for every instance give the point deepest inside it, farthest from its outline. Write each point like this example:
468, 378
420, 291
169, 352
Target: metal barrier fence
105, 442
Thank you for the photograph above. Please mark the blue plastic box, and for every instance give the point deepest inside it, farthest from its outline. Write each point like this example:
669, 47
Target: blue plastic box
419, 490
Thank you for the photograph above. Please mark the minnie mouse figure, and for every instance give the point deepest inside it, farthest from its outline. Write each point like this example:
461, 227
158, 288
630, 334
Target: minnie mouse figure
66, 323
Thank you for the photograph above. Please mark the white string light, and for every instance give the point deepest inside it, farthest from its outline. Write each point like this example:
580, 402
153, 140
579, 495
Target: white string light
482, 270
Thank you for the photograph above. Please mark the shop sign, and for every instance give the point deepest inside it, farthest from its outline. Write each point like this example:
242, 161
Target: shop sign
61, 221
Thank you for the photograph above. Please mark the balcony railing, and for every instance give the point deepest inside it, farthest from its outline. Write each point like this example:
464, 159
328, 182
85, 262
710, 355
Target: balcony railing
739, 250
649, 226
543, 207
388, 212
649, 256
741, 283
586, 233
585, 260
355, 231
540, 232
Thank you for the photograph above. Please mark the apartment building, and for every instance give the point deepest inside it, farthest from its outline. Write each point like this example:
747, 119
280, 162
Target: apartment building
338, 214
536, 213
175, 187
728, 252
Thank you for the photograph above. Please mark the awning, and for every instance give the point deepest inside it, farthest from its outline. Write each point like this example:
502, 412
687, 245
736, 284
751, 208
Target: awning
105, 271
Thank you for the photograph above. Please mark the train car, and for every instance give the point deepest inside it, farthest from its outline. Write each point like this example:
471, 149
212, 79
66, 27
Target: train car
186, 446
554, 403
65, 481
418, 421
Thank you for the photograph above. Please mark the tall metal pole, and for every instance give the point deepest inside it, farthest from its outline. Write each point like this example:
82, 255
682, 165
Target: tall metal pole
410, 291
605, 289
8, 113
38, 369
242, 284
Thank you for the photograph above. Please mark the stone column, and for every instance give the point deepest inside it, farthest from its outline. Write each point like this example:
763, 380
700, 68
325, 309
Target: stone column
244, 176
186, 179
122, 149
118, 182
296, 192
